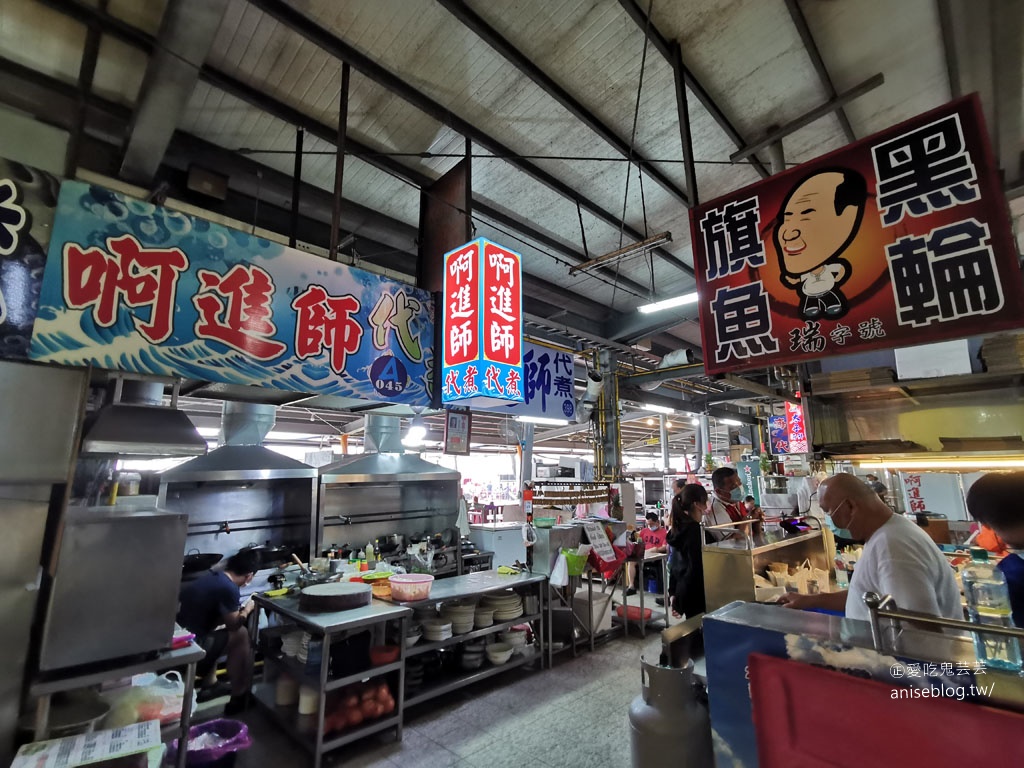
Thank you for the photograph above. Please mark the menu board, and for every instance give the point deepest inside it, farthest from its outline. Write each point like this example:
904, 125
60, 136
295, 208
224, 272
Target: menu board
599, 541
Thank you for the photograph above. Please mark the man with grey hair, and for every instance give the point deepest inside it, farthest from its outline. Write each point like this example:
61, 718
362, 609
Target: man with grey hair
898, 559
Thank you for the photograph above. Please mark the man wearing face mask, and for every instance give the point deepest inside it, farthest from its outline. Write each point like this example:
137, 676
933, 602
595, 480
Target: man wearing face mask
994, 501
898, 559
727, 502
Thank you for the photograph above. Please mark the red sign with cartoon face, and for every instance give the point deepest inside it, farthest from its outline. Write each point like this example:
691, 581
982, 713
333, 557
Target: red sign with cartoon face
898, 240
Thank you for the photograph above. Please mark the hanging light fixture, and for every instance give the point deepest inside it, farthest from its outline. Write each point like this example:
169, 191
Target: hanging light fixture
634, 249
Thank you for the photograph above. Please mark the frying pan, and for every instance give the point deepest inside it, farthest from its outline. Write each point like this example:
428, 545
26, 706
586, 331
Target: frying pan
194, 563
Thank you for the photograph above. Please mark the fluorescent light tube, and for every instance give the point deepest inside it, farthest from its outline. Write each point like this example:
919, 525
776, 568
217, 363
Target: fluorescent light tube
677, 301
731, 422
542, 420
656, 408
951, 463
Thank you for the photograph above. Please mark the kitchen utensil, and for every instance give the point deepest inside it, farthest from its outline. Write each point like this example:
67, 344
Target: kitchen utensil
197, 562
406, 587
300, 563
335, 597
499, 653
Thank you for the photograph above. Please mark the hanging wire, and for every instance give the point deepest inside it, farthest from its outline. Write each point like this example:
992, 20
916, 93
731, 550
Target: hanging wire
636, 117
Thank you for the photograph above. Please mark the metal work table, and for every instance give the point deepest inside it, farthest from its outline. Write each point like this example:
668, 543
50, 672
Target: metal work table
188, 656
308, 730
474, 585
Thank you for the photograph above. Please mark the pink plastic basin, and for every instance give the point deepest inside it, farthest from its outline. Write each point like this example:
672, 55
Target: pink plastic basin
406, 587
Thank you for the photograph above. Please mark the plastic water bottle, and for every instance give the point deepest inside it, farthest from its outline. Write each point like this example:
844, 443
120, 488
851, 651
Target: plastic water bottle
842, 579
988, 602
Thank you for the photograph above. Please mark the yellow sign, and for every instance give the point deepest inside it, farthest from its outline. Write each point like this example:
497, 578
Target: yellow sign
652, 441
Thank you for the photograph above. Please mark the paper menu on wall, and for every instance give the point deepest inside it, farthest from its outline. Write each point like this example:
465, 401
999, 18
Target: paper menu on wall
599, 541
90, 748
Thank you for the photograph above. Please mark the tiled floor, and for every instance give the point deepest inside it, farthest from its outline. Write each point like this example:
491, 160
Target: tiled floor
573, 715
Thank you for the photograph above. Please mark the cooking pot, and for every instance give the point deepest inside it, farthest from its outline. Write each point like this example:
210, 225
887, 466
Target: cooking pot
385, 545
195, 561
269, 554
437, 541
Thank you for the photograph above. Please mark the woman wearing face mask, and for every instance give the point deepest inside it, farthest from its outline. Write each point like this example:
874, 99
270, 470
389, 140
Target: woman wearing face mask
686, 540
994, 501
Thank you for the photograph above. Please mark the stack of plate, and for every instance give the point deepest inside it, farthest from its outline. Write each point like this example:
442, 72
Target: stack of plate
435, 630
291, 643
472, 656
506, 605
461, 616
483, 617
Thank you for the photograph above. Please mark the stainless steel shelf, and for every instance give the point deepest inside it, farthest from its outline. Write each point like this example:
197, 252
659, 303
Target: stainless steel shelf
303, 673
482, 632
463, 680
302, 728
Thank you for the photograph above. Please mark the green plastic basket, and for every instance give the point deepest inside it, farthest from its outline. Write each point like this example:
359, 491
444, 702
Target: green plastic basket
576, 563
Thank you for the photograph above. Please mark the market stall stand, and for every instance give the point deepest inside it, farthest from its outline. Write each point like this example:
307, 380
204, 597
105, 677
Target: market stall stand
44, 688
309, 729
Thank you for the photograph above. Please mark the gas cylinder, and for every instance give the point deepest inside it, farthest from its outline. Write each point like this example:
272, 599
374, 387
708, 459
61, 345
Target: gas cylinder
667, 725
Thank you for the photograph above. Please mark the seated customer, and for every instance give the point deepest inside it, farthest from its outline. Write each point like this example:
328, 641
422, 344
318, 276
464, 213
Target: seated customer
686, 537
653, 536
209, 608
898, 559
994, 501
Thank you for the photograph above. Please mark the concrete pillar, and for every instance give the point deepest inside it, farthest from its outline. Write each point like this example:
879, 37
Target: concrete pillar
526, 470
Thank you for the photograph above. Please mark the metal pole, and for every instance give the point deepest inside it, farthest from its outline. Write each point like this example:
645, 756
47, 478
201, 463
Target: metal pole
296, 186
663, 437
705, 433
339, 159
776, 156
683, 107
86, 71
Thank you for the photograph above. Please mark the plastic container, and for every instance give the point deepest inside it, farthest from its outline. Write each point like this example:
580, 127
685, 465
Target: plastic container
988, 602
234, 737
575, 563
545, 522
384, 654
309, 700
406, 587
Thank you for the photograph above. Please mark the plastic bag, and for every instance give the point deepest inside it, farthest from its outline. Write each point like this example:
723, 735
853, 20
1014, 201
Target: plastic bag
150, 697
210, 741
560, 573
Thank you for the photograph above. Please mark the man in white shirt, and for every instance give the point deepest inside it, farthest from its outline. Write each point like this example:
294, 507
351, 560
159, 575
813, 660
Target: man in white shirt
898, 559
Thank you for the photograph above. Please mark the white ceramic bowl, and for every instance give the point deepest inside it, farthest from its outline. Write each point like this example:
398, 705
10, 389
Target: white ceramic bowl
499, 653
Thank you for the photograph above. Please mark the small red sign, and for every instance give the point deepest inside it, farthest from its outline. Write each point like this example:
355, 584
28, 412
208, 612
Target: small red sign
462, 305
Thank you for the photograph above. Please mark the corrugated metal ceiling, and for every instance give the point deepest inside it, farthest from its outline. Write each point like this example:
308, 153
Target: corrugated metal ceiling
748, 55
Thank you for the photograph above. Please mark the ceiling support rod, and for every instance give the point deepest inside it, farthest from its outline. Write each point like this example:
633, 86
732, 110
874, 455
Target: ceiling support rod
231, 85
685, 136
296, 187
809, 117
662, 44
469, 18
339, 159
86, 70
305, 27
803, 29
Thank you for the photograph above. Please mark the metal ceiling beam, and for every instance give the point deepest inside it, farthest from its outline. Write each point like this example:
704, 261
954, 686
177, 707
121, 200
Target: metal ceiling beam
807, 118
671, 373
811, 46
681, 404
572, 429
469, 18
759, 389
631, 326
664, 47
187, 32
78, 10
306, 27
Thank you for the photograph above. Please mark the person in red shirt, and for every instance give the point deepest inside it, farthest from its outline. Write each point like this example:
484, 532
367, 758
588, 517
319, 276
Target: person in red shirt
727, 503
653, 536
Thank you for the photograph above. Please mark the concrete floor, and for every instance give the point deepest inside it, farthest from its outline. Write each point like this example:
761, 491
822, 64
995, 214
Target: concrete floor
573, 715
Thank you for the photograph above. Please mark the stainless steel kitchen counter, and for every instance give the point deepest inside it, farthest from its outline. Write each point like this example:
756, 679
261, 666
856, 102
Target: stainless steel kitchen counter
473, 584
330, 622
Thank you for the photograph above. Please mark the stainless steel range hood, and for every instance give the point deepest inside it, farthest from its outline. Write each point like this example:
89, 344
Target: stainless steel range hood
384, 458
137, 424
242, 457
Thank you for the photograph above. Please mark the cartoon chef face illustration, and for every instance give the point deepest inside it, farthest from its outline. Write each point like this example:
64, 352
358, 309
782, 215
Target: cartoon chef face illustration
819, 219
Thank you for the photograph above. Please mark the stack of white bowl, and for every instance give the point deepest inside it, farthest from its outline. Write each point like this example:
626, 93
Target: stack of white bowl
472, 656
516, 638
499, 653
424, 612
461, 615
506, 605
435, 630
483, 617
413, 635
